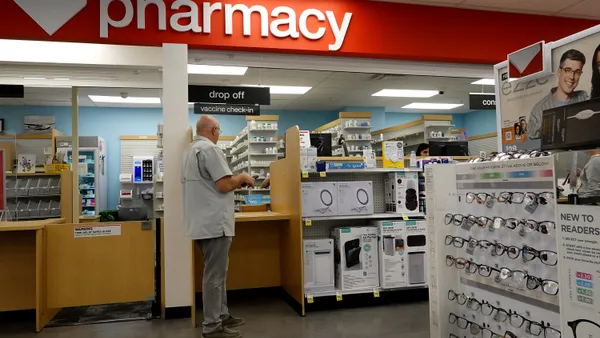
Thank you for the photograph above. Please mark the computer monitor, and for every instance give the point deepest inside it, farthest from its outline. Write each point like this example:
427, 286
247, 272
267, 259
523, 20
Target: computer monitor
448, 148
323, 144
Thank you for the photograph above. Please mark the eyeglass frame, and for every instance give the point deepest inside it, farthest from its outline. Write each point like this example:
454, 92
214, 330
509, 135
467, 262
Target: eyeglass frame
573, 325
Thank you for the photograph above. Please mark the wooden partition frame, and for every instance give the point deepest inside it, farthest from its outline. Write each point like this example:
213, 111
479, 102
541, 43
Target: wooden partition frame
286, 197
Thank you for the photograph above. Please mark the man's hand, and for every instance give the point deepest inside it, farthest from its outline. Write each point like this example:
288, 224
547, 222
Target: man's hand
246, 180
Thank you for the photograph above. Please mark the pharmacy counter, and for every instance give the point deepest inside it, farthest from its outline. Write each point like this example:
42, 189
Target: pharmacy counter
22, 262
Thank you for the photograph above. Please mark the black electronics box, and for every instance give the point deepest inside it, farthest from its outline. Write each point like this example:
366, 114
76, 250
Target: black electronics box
572, 127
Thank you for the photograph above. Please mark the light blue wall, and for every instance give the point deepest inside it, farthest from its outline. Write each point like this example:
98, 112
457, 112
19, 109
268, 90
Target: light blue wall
392, 119
112, 123
480, 122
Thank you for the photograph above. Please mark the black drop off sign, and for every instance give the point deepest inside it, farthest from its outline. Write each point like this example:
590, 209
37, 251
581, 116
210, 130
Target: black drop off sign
226, 109
230, 95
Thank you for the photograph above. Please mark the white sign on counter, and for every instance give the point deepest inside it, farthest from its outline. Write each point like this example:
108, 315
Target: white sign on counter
97, 231
578, 236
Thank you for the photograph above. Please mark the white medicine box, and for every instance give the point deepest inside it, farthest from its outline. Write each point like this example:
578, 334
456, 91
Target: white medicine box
319, 199
318, 265
402, 193
355, 198
356, 258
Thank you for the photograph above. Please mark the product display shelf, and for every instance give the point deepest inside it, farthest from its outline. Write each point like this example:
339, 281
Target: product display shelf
286, 195
416, 132
34, 196
356, 129
512, 284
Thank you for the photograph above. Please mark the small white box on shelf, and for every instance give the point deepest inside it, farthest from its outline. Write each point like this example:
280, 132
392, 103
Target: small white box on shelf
402, 193
304, 159
358, 263
319, 199
355, 198
318, 265
311, 159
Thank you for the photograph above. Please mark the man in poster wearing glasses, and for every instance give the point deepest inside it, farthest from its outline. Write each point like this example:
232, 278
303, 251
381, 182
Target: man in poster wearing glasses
569, 72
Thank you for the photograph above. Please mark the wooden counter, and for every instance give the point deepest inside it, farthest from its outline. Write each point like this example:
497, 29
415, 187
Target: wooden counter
242, 217
22, 264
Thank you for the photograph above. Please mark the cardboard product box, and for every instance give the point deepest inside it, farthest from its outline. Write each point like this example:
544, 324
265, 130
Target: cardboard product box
319, 272
304, 159
393, 154
319, 199
311, 159
392, 254
417, 252
356, 258
402, 193
355, 198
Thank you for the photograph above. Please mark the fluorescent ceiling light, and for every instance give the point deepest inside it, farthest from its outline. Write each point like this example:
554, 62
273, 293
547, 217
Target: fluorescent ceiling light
216, 70
433, 106
62, 79
285, 90
482, 93
406, 93
34, 78
128, 100
485, 82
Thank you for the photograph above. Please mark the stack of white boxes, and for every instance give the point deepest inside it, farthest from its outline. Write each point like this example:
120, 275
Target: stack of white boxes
318, 265
402, 193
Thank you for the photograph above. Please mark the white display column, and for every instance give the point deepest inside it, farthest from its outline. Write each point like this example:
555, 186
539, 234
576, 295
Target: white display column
177, 248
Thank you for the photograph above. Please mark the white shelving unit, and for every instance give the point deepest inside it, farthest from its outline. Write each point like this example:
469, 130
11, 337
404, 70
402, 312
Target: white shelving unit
253, 150
356, 129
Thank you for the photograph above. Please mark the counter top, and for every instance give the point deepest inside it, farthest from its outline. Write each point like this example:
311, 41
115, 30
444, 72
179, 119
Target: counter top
29, 225
260, 216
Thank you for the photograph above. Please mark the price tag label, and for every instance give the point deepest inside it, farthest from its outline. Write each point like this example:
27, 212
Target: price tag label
471, 246
310, 299
466, 225
338, 296
532, 207
404, 217
305, 174
376, 293
308, 222
323, 174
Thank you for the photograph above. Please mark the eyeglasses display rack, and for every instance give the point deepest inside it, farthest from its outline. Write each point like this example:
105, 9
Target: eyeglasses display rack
493, 264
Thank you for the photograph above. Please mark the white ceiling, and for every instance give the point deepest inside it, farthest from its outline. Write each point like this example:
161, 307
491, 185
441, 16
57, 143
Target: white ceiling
331, 90
587, 9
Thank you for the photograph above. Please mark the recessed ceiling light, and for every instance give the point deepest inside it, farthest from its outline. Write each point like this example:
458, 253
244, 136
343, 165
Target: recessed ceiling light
127, 100
406, 93
285, 90
485, 82
482, 93
62, 79
34, 78
216, 70
433, 106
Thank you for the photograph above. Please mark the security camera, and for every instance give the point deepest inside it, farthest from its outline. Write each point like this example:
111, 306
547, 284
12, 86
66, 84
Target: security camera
124, 95
441, 92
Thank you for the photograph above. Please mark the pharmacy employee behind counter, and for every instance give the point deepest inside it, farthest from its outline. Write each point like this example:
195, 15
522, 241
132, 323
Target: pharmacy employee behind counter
209, 217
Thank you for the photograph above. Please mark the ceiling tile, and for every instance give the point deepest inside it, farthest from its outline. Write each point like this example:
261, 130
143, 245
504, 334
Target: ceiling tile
587, 8
537, 6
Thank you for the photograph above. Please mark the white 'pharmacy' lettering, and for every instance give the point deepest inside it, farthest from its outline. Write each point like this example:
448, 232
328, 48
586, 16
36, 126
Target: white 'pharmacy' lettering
293, 25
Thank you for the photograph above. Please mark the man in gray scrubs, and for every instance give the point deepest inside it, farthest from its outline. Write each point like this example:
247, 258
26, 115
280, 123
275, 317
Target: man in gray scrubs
208, 186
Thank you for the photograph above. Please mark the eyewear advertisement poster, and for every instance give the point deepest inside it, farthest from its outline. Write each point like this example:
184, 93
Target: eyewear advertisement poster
497, 273
579, 256
576, 78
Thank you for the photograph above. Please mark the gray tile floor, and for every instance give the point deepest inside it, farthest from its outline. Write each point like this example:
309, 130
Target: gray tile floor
266, 319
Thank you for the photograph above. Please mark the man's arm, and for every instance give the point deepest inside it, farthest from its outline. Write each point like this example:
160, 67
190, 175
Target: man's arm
216, 164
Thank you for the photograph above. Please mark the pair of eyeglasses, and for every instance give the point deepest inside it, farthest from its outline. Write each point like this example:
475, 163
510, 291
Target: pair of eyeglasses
511, 155
474, 328
545, 227
584, 328
480, 197
548, 286
572, 72
534, 328
458, 220
470, 266
459, 242
543, 198
547, 257
487, 309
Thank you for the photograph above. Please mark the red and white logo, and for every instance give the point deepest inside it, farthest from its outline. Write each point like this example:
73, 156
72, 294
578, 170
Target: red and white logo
51, 18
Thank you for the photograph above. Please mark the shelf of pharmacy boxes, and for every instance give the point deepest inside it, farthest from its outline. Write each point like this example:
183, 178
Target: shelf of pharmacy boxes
418, 131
